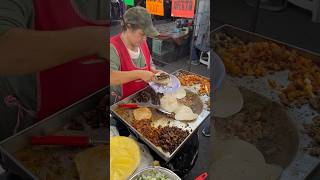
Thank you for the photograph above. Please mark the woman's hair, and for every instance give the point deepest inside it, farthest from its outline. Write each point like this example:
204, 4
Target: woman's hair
125, 26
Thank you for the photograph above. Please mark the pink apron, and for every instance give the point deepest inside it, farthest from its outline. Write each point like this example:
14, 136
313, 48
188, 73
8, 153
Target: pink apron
126, 64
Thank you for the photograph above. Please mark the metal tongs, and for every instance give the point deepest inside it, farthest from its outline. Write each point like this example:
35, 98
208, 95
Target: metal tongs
147, 104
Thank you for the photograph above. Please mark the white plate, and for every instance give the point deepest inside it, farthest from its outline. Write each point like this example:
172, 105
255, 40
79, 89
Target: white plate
173, 85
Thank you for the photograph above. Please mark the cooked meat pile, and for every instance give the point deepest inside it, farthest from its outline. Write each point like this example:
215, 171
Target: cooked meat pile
168, 138
259, 58
171, 137
95, 118
147, 130
147, 95
191, 79
221, 40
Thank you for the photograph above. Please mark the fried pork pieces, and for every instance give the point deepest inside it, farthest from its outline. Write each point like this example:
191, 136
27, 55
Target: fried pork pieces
259, 58
168, 138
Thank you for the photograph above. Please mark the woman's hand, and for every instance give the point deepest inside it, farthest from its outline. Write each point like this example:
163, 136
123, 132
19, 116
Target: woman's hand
155, 71
121, 77
146, 76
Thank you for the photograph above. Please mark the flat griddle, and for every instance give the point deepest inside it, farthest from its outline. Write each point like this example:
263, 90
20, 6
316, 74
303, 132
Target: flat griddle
302, 164
202, 109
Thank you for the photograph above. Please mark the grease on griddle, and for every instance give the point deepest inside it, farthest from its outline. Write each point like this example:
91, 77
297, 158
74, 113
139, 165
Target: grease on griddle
187, 126
313, 131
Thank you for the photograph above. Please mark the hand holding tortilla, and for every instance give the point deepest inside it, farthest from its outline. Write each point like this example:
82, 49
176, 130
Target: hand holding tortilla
162, 78
146, 76
165, 83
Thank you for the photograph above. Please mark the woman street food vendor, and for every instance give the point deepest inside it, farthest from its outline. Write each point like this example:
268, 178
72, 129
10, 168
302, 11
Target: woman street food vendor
50, 57
131, 64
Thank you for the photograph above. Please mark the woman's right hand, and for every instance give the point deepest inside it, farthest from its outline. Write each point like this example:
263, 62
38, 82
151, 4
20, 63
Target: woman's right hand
146, 76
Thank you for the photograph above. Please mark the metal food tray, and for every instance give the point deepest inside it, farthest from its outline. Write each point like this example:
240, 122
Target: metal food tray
193, 125
47, 126
302, 164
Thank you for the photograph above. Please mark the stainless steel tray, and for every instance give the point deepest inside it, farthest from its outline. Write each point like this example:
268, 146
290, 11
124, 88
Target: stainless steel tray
193, 126
47, 126
302, 164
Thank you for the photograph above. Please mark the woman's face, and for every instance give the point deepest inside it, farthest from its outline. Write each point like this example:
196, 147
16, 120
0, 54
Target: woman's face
136, 37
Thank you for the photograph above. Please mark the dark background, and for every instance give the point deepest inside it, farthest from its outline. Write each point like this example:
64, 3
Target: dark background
292, 25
